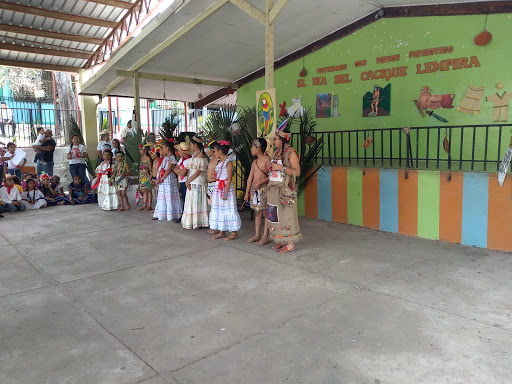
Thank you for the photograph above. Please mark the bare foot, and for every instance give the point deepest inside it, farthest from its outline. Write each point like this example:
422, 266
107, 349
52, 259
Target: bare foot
263, 242
143, 208
127, 207
213, 231
219, 235
254, 239
148, 208
233, 236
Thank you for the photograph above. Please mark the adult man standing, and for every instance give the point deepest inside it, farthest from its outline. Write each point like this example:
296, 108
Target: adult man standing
6, 117
126, 130
47, 152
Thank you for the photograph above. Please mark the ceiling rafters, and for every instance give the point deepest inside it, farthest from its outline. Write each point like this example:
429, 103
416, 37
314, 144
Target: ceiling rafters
44, 51
41, 66
56, 15
50, 35
112, 3
138, 12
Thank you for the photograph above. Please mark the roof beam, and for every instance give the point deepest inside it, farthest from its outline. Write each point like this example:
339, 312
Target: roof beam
56, 15
44, 51
251, 10
50, 35
43, 67
175, 79
211, 98
167, 42
113, 3
276, 9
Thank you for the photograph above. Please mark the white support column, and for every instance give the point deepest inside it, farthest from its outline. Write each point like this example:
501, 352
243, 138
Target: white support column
136, 98
269, 46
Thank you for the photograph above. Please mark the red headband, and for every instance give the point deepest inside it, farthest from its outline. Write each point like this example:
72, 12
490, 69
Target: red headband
224, 142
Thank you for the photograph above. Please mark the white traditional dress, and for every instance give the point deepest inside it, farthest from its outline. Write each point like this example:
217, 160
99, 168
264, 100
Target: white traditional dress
168, 205
224, 214
107, 195
195, 213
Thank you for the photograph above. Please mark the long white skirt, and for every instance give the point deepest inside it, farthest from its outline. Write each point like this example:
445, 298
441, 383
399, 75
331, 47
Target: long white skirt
195, 214
107, 195
224, 214
168, 205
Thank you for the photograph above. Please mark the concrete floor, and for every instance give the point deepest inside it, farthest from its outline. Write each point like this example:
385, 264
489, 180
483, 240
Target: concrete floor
104, 297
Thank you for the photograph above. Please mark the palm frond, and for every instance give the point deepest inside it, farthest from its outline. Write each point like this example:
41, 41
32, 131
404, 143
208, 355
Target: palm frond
169, 126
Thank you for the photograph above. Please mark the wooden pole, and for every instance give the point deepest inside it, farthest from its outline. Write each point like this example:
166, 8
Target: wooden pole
147, 109
55, 104
269, 46
136, 98
186, 117
110, 116
118, 119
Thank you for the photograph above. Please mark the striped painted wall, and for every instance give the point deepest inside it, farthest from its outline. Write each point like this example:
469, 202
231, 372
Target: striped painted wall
457, 207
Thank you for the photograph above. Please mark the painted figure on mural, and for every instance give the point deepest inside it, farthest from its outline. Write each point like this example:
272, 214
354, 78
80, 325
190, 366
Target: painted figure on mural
266, 113
375, 101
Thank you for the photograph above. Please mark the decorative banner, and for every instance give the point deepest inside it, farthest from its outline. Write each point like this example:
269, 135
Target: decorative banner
266, 114
377, 102
335, 104
323, 105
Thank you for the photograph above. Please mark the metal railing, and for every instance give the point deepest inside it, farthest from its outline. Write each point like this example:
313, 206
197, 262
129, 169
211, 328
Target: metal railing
471, 147
27, 120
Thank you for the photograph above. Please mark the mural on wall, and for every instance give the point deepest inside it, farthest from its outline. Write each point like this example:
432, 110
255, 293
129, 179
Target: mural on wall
283, 111
505, 164
500, 104
429, 101
377, 102
335, 104
323, 105
296, 110
471, 102
266, 112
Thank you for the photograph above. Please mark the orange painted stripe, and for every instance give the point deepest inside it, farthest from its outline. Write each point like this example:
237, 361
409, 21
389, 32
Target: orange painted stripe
371, 198
499, 224
408, 203
450, 207
311, 198
339, 194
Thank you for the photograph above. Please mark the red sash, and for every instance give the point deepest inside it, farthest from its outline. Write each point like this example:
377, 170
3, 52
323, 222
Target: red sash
98, 179
221, 185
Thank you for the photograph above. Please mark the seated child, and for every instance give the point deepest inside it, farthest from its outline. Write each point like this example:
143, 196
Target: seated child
80, 192
56, 185
17, 184
10, 196
51, 196
30, 176
32, 197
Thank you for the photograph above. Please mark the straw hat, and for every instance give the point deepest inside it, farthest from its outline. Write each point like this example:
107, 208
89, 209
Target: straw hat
184, 147
104, 132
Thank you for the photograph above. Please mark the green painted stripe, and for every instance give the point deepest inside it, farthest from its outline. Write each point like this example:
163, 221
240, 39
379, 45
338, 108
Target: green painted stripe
355, 196
300, 204
428, 204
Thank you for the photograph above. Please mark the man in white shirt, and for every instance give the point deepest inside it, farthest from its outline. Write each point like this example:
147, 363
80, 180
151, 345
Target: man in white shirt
126, 130
11, 197
6, 117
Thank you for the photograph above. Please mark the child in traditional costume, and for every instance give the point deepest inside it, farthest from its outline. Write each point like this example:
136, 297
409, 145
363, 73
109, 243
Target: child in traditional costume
157, 159
224, 214
256, 192
145, 172
182, 170
32, 197
212, 180
119, 180
168, 206
107, 195
80, 191
51, 195
282, 216
195, 214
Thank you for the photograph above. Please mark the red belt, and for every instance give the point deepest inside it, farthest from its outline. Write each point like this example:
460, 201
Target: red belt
98, 179
221, 185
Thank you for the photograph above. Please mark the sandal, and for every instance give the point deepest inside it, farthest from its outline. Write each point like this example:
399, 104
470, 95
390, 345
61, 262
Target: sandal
142, 208
278, 246
263, 242
154, 218
231, 237
148, 208
286, 250
213, 231
121, 209
219, 235
127, 207
254, 239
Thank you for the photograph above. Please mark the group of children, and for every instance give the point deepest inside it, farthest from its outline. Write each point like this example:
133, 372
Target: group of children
36, 193
201, 177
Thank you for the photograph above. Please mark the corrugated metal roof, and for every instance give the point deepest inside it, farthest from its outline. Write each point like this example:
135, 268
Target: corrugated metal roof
77, 7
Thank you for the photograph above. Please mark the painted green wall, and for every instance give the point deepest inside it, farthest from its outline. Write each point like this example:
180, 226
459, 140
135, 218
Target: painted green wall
399, 36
